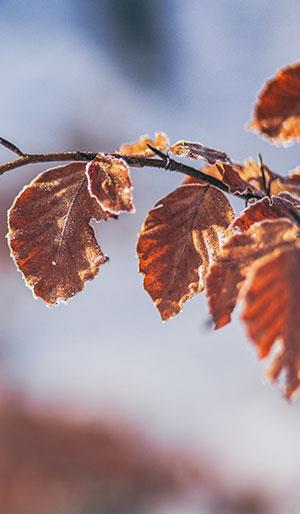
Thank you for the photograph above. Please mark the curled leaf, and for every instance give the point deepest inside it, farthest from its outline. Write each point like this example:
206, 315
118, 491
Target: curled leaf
291, 183
272, 305
49, 234
277, 111
110, 184
140, 147
282, 206
228, 273
276, 183
230, 174
179, 239
194, 150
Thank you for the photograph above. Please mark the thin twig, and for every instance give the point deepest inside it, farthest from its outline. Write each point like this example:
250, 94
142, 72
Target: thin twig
10, 146
266, 185
164, 162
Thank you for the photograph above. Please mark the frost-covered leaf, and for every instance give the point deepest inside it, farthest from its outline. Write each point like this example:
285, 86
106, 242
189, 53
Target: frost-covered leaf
282, 206
251, 172
179, 239
140, 147
277, 111
271, 314
49, 235
110, 184
227, 275
230, 175
194, 150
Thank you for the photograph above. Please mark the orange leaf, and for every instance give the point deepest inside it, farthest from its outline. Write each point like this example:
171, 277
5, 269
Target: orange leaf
272, 305
194, 150
140, 149
49, 234
277, 111
291, 183
110, 184
179, 239
250, 172
227, 275
282, 206
187, 181
231, 176
219, 167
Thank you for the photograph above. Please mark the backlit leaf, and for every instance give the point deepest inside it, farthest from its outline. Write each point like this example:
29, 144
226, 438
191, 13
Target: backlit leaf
110, 184
140, 149
227, 275
230, 174
179, 239
272, 306
49, 234
194, 150
277, 183
277, 111
291, 183
282, 206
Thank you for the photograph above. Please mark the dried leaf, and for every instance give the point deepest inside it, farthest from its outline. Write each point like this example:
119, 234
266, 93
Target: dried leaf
194, 150
227, 275
277, 183
231, 176
140, 149
277, 111
187, 181
179, 239
272, 305
110, 184
250, 172
282, 206
213, 170
49, 234
291, 183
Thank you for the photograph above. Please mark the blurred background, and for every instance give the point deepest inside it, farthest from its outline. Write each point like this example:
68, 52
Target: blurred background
90, 75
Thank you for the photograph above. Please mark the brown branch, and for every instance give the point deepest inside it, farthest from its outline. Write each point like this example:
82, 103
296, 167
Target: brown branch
10, 146
164, 162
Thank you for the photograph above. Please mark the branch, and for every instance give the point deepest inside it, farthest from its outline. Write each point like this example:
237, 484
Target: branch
11, 146
163, 162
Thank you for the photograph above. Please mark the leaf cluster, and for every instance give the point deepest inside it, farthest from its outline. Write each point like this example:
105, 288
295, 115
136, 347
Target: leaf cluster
191, 240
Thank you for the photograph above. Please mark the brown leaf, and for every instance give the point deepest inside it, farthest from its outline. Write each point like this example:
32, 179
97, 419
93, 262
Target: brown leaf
282, 206
231, 176
277, 183
227, 275
187, 181
250, 172
291, 183
272, 306
194, 150
277, 111
49, 234
110, 184
140, 149
179, 239
213, 170
219, 167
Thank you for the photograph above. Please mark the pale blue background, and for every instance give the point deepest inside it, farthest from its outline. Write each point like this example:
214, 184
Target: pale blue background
94, 74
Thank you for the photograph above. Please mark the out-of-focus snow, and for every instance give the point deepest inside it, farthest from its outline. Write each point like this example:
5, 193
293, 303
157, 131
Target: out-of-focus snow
61, 89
